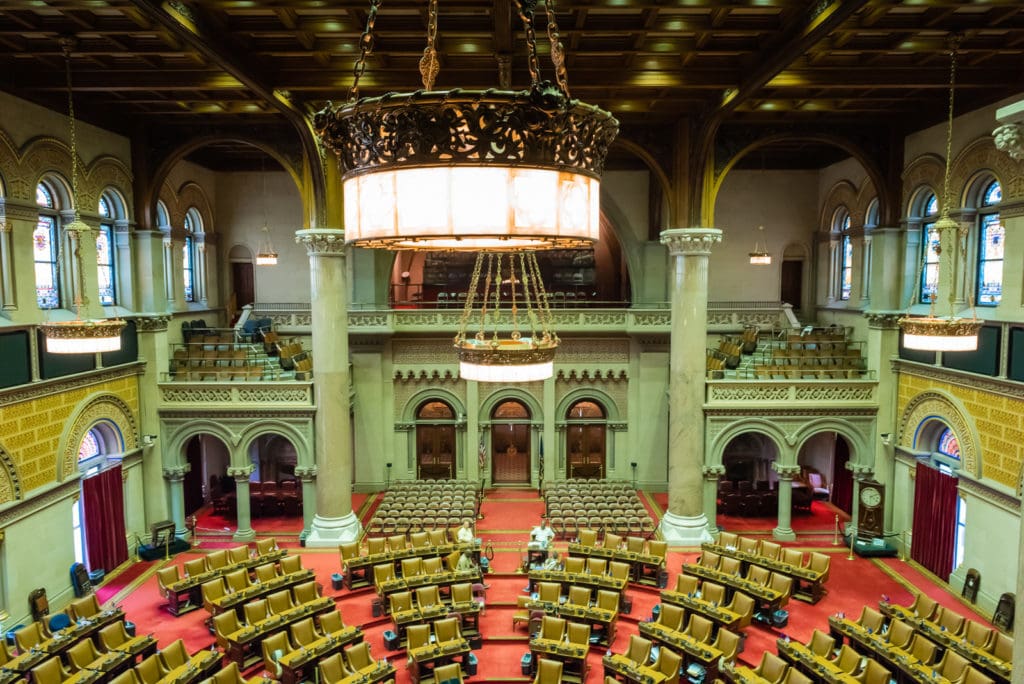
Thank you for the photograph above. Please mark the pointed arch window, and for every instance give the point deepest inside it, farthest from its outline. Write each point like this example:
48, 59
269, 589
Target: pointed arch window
930, 246
44, 249
990, 247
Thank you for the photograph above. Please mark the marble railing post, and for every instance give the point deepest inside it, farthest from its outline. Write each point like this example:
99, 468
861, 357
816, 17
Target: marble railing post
307, 475
784, 527
175, 476
244, 516
334, 522
684, 522
712, 473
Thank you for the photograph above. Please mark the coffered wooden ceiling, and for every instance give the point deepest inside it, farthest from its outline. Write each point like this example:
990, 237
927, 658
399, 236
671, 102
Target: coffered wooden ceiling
180, 67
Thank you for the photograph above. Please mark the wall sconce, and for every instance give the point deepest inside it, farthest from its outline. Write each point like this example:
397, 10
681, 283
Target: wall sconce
149, 440
886, 438
387, 476
633, 465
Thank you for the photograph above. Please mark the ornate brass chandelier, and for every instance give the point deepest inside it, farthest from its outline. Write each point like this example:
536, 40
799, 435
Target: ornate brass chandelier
490, 356
950, 332
79, 336
470, 169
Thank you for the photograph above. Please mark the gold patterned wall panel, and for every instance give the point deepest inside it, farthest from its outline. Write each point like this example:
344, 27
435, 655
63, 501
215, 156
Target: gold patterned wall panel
999, 420
34, 429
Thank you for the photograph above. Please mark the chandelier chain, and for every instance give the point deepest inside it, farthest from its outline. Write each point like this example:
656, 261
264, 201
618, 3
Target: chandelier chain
946, 199
430, 66
65, 45
516, 335
557, 49
366, 42
527, 277
474, 282
526, 9
543, 305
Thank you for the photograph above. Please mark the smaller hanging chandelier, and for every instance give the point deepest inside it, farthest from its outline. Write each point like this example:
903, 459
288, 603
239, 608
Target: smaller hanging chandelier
266, 256
760, 256
79, 336
512, 302
948, 333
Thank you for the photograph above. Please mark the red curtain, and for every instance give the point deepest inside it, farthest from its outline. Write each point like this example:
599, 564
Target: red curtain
103, 520
934, 531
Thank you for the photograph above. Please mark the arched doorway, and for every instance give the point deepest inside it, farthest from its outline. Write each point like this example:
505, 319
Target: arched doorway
822, 459
435, 440
749, 488
208, 459
273, 489
585, 440
97, 518
940, 514
510, 443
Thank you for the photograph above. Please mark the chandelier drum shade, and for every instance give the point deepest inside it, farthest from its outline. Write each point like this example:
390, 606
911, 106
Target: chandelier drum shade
470, 169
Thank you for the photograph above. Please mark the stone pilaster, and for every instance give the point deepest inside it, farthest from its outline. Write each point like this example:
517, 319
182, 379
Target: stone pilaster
21, 219
153, 349
685, 522
148, 267
7, 299
334, 522
307, 476
712, 473
175, 476
784, 527
241, 474
883, 344
85, 281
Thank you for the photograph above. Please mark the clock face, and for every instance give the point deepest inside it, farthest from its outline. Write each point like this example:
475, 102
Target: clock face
870, 497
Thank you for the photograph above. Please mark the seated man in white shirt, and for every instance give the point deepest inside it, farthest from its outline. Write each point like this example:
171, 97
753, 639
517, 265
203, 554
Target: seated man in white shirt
540, 537
465, 534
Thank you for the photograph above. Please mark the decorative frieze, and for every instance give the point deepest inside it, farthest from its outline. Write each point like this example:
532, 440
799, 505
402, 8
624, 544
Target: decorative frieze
816, 391
266, 393
883, 321
45, 388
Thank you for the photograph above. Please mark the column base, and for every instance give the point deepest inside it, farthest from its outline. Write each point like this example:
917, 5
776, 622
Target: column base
680, 530
244, 535
784, 534
329, 532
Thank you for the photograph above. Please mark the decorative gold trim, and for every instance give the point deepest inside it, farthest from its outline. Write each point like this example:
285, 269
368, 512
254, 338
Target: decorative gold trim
929, 326
83, 330
506, 354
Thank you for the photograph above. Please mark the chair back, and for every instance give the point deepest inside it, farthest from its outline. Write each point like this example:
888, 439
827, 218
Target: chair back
462, 592
821, 644
552, 628
81, 654
579, 596
639, 650
265, 546
417, 635
266, 572
331, 623
668, 664
48, 672
174, 655
113, 635
771, 667
332, 669
428, 596
548, 591
578, 633
445, 674
303, 632
728, 643
29, 636
274, 646
548, 671
290, 564
216, 559
686, 584
671, 616
401, 601
150, 670
447, 630
238, 554
588, 537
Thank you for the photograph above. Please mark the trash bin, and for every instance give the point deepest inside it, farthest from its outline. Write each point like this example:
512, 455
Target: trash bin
526, 664
337, 581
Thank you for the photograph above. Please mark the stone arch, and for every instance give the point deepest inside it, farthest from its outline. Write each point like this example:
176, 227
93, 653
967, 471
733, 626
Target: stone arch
110, 173
657, 173
941, 405
842, 194
925, 171
270, 426
854, 437
594, 394
981, 155
866, 194
15, 186
45, 156
408, 412
181, 434
761, 426
191, 195
97, 407
505, 393
10, 482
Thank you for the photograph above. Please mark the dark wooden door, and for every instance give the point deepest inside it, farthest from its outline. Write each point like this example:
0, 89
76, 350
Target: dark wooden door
435, 455
510, 453
842, 478
586, 448
193, 483
242, 283
792, 290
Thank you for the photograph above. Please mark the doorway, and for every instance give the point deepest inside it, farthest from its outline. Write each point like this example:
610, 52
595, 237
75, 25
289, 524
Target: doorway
435, 441
586, 440
510, 443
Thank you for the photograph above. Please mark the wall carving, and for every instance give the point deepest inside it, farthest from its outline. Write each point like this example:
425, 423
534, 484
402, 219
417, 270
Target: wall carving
927, 171
834, 393
250, 393
105, 407
931, 405
842, 194
593, 351
982, 154
10, 483
814, 391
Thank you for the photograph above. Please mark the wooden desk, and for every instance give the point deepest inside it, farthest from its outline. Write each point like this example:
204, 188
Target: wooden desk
468, 613
199, 667
583, 579
643, 566
111, 664
721, 616
424, 659
10, 677
875, 644
616, 663
767, 598
442, 580
236, 599
742, 675
594, 616
808, 585
295, 664
685, 645
362, 567
243, 645
378, 672
818, 668
61, 641
185, 595
998, 670
573, 656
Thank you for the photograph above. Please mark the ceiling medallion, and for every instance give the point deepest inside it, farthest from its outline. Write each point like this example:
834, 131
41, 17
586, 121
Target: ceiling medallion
470, 169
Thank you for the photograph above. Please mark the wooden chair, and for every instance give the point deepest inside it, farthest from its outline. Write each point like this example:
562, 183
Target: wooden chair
333, 669
772, 668
639, 650
445, 674
548, 672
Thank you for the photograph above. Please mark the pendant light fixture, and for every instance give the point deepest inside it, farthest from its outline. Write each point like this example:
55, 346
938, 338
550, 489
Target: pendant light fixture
265, 255
760, 256
949, 332
80, 336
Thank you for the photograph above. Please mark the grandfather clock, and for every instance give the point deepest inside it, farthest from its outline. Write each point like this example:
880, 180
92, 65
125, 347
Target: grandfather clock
871, 512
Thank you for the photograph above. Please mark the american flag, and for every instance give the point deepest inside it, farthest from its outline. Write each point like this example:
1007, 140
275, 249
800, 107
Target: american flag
482, 453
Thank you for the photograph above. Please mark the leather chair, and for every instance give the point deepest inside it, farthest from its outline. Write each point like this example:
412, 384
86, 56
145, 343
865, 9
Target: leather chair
266, 572
548, 672
668, 663
30, 636
174, 655
150, 670
821, 644
728, 643
273, 647
280, 602
874, 674
303, 633
333, 669
772, 668
290, 564
686, 584
306, 592
639, 650
49, 672
448, 673
223, 625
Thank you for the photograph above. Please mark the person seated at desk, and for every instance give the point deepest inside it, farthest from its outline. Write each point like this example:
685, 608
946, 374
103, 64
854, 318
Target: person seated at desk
465, 534
541, 535
552, 562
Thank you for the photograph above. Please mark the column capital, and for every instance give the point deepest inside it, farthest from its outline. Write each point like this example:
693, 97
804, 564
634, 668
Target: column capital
1009, 138
176, 473
690, 241
322, 241
861, 471
786, 472
240, 473
20, 210
152, 323
306, 473
713, 472
883, 320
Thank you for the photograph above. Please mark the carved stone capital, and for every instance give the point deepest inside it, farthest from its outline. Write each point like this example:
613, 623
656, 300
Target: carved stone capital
240, 473
322, 241
861, 471
883, 321
20, 210
405, 427
713, 472
690, 241
5, 226
786, 472
1009, 138
176, 473
152, 323
306, 473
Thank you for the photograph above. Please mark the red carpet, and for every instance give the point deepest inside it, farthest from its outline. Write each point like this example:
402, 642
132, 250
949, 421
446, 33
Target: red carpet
821, 519
852, 585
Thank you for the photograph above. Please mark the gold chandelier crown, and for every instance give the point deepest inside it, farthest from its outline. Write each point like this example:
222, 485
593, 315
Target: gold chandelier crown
470, 169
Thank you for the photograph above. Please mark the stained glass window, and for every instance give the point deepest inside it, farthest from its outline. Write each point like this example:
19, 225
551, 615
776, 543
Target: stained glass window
948, 444
44, 249
189, 257
105, 264
929, 244
89, 447
104, 208
44, 197
990, 248
161, 216
847, 268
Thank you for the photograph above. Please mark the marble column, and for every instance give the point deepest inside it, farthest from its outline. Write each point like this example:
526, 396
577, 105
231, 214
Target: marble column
784, 527
684, 523
153, 351
883, 341
307, 475
124, 274
175, 476
7, 299
244, 512
712, 473
334, 522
